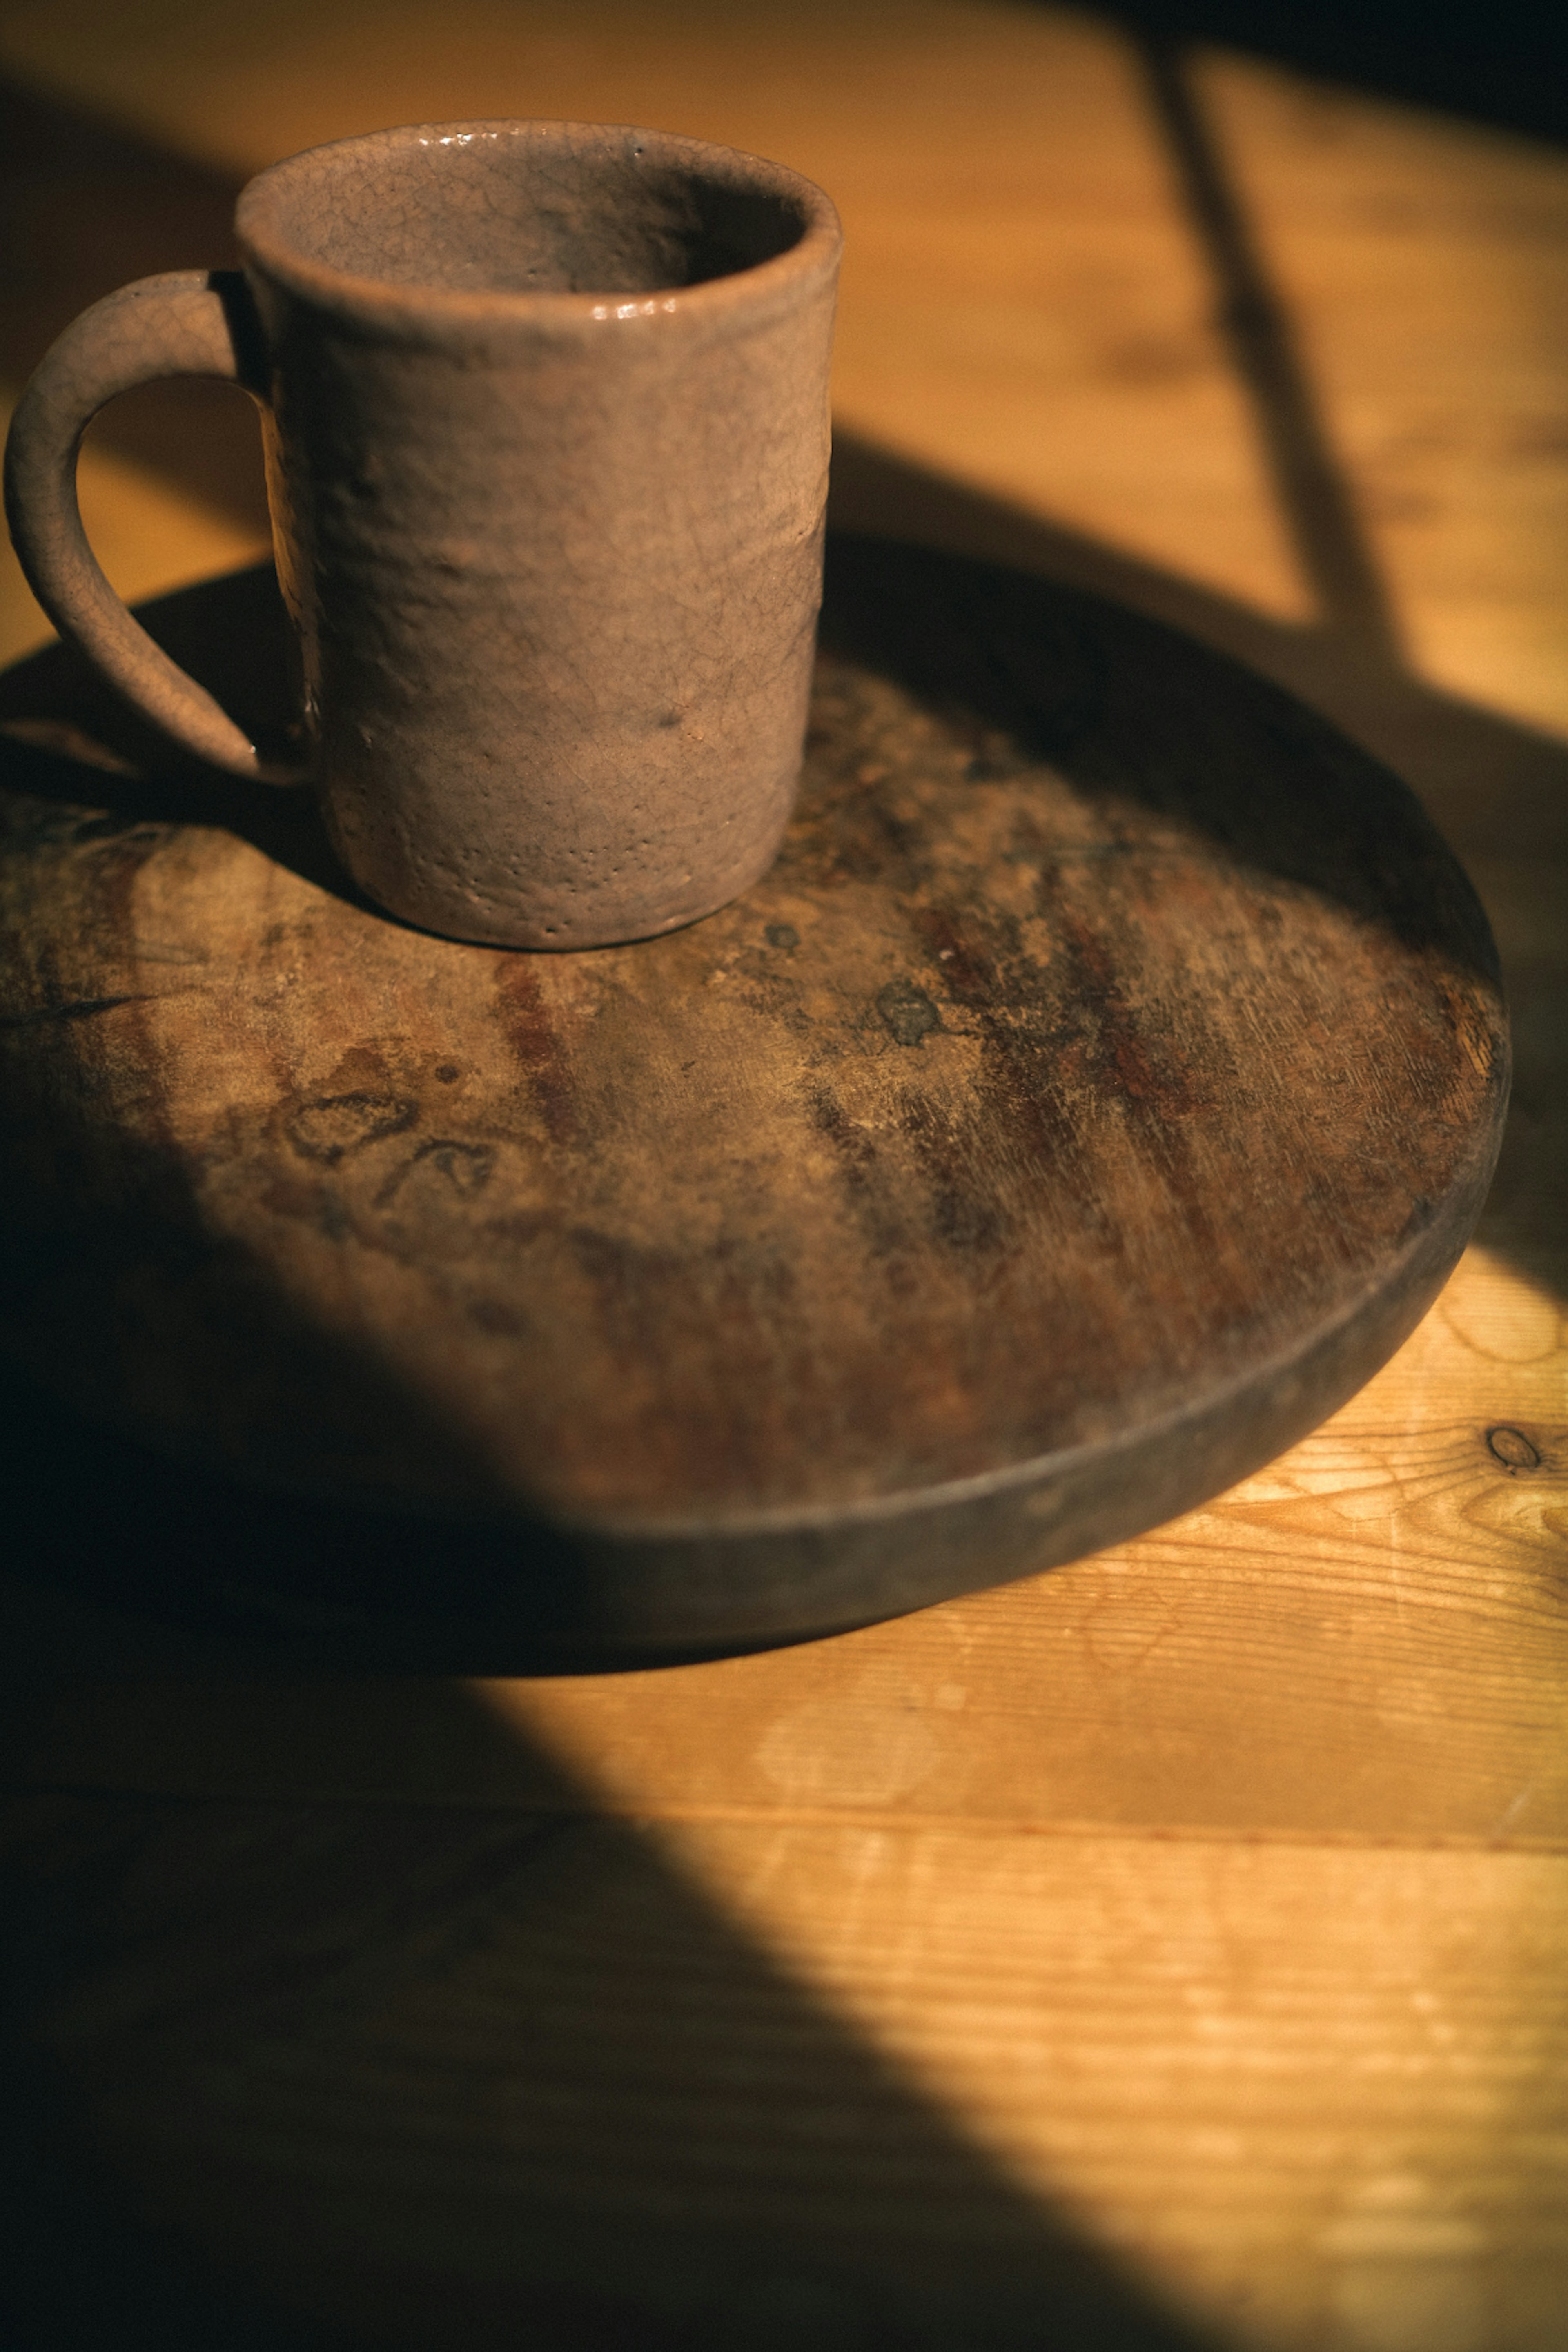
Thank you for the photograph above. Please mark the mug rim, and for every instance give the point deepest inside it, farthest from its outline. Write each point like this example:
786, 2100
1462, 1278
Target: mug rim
390, 305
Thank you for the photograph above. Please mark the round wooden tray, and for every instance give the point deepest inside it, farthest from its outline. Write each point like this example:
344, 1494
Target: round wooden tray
1098, 1090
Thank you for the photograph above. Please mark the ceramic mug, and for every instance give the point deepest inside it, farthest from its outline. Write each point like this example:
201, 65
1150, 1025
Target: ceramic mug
546, 415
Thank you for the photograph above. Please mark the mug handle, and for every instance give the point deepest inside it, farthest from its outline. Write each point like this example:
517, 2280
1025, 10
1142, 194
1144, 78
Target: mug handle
180, 324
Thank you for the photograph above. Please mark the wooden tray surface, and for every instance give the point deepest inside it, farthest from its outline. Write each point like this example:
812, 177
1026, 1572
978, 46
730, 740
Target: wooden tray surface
1098, 1090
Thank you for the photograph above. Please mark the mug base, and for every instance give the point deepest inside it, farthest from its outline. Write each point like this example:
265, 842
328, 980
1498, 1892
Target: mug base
562, 929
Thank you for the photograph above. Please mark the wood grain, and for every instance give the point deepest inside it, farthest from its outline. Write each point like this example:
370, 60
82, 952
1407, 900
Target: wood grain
1097, 1088
1364, 1643
358, 2066
1170, 1988
1413, 258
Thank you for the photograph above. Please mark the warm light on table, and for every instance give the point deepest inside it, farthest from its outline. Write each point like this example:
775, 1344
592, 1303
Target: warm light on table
1210, 1892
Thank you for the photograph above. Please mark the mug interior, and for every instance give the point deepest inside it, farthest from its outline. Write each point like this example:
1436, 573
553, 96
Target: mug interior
533, 208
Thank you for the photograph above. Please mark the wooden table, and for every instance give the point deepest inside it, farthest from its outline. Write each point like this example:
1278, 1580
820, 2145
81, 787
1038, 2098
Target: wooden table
1165, 1952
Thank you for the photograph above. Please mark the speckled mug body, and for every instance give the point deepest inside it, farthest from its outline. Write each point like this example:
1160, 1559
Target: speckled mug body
546, 424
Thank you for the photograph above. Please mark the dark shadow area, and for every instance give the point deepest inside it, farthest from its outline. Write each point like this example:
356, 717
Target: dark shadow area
69, 733
1505, 65
326, 2074
92, 1513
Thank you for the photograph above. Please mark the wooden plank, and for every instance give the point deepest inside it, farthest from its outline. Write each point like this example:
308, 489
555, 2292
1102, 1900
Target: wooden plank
909, 2039
781, 2083
1420, 262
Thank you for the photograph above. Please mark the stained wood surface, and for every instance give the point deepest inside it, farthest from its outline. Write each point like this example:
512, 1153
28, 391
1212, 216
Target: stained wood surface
1162, 1951
1097, 1088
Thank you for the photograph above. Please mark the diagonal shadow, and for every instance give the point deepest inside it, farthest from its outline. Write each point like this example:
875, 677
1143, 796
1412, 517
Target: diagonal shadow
1314, 497
292, 2075
320, 2075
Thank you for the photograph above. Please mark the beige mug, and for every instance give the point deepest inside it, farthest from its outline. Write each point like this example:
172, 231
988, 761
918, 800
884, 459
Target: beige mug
545, 415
